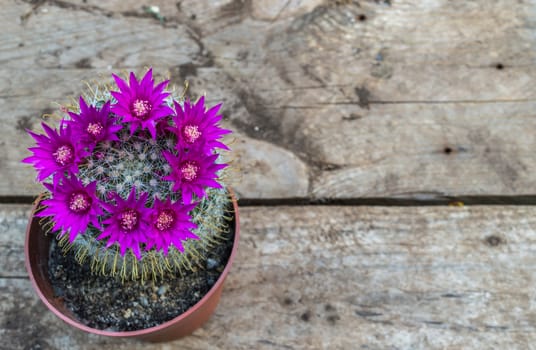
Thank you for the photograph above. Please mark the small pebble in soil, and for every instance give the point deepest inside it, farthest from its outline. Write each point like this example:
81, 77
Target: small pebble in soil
162, 290
105, 303
211, 263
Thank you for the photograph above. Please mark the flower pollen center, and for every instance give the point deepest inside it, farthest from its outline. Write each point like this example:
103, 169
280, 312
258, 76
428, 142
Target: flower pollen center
191, 133
165, 220
95, 129
64, 155
141, 109
80, 202
189, 171
128, 220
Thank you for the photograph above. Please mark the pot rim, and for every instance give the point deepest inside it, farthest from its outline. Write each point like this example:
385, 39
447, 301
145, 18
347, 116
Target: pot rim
145, 331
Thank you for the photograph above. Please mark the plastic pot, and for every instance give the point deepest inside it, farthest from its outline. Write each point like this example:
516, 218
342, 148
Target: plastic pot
37, 252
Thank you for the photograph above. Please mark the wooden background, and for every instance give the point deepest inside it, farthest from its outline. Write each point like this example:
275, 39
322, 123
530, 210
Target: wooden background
356, 124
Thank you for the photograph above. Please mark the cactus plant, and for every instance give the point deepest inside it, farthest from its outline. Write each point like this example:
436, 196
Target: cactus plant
134, 179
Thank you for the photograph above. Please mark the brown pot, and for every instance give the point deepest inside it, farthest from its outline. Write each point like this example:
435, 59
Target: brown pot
37, 252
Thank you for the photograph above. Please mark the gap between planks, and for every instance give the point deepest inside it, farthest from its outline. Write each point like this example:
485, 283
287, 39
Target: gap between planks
406, 200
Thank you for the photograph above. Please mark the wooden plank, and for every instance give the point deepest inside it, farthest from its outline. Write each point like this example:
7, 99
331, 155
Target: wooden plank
13, 221
370, 99
344, 278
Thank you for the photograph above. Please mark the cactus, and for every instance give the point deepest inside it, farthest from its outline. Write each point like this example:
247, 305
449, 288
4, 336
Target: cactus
134, 178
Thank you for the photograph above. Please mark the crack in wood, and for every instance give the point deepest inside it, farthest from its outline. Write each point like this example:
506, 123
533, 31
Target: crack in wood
370, 102
64, 5
92, 9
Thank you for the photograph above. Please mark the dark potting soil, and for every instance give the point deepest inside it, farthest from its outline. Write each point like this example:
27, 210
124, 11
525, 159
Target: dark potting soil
106, 303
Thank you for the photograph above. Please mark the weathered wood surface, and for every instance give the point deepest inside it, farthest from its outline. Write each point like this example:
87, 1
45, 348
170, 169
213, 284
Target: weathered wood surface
337, 278
329, 99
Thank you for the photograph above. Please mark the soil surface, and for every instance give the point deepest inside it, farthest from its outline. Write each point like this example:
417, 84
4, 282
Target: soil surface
106, 303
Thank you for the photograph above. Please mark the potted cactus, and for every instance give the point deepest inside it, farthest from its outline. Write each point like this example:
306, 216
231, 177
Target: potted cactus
135, 231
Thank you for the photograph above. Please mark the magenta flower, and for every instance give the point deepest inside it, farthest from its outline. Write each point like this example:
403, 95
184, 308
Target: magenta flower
141, 103
125, 170
73, 206
56, 153
192, 172
170, 225
197, 127
93, 125
128, 224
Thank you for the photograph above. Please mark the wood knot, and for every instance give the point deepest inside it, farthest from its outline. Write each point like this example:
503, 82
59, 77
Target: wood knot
332, 319
329, 307
493, 240
306, 316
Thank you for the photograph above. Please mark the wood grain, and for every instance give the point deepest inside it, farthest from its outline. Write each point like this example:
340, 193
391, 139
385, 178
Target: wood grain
340, 278
386, 99
403, 99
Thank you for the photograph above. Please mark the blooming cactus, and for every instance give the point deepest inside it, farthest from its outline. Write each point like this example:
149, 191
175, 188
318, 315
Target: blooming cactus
133, 178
